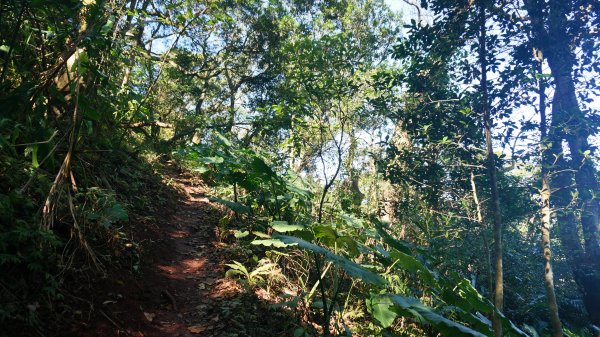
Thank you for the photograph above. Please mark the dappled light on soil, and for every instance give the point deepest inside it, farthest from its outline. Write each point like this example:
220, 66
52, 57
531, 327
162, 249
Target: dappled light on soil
180, 292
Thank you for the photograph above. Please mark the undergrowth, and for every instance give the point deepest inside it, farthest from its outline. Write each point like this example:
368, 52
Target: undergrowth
336, 270
40, 267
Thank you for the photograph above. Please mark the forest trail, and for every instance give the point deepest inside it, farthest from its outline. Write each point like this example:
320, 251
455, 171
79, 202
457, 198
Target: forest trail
182, 286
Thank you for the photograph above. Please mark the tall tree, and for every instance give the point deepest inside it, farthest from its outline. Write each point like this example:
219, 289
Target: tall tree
491, 167
561, 29
546, 208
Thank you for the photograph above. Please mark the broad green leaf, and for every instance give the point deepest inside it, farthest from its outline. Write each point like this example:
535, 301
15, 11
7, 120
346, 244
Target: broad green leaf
271, 242
294, 185
326, 233
460, 293
240, 234
222, 139
201, 169
380, 308
414, 308
396, 244
211, 160
236, 269
261, 234
283, 226
236, 265
353, 269
403, 246
353, 221
234, 206
108, 25
409, 263
259, 165
349, 244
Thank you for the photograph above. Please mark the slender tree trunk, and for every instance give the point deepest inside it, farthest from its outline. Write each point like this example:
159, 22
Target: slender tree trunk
491, 166
484, 237
232, 92
546, 212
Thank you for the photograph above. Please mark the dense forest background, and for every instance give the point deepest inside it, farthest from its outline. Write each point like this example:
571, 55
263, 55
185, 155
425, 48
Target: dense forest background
418, 170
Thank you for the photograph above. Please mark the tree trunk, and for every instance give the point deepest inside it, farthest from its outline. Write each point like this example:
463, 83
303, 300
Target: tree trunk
484, 238
546, 212
569, 123
567, 115
232, 92
491, 167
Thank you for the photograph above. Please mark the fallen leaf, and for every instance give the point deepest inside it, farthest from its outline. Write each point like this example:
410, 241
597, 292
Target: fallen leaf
196, 329
149, 316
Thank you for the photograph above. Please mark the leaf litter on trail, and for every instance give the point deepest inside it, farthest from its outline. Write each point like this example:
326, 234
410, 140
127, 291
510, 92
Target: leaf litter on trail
196, 328
149, 316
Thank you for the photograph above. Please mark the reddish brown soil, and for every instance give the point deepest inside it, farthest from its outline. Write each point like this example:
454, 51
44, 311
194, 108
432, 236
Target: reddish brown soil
181, 287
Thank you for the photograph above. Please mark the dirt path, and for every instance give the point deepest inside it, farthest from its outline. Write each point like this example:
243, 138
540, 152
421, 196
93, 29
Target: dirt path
181, 289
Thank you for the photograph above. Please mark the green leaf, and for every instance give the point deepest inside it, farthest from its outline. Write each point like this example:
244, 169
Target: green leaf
381, 309
236, 269
396, 244
234, 206
117, 213
353, 269
237, 266
271, 242
283, 227
326, 233
222, 139
34, 156
352, 221
299, 190
80, 61
239, 234
414, 308
460, 293
414, 266
107, 26
349, 244
259, 165
201, 169
211, 160
261, 234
